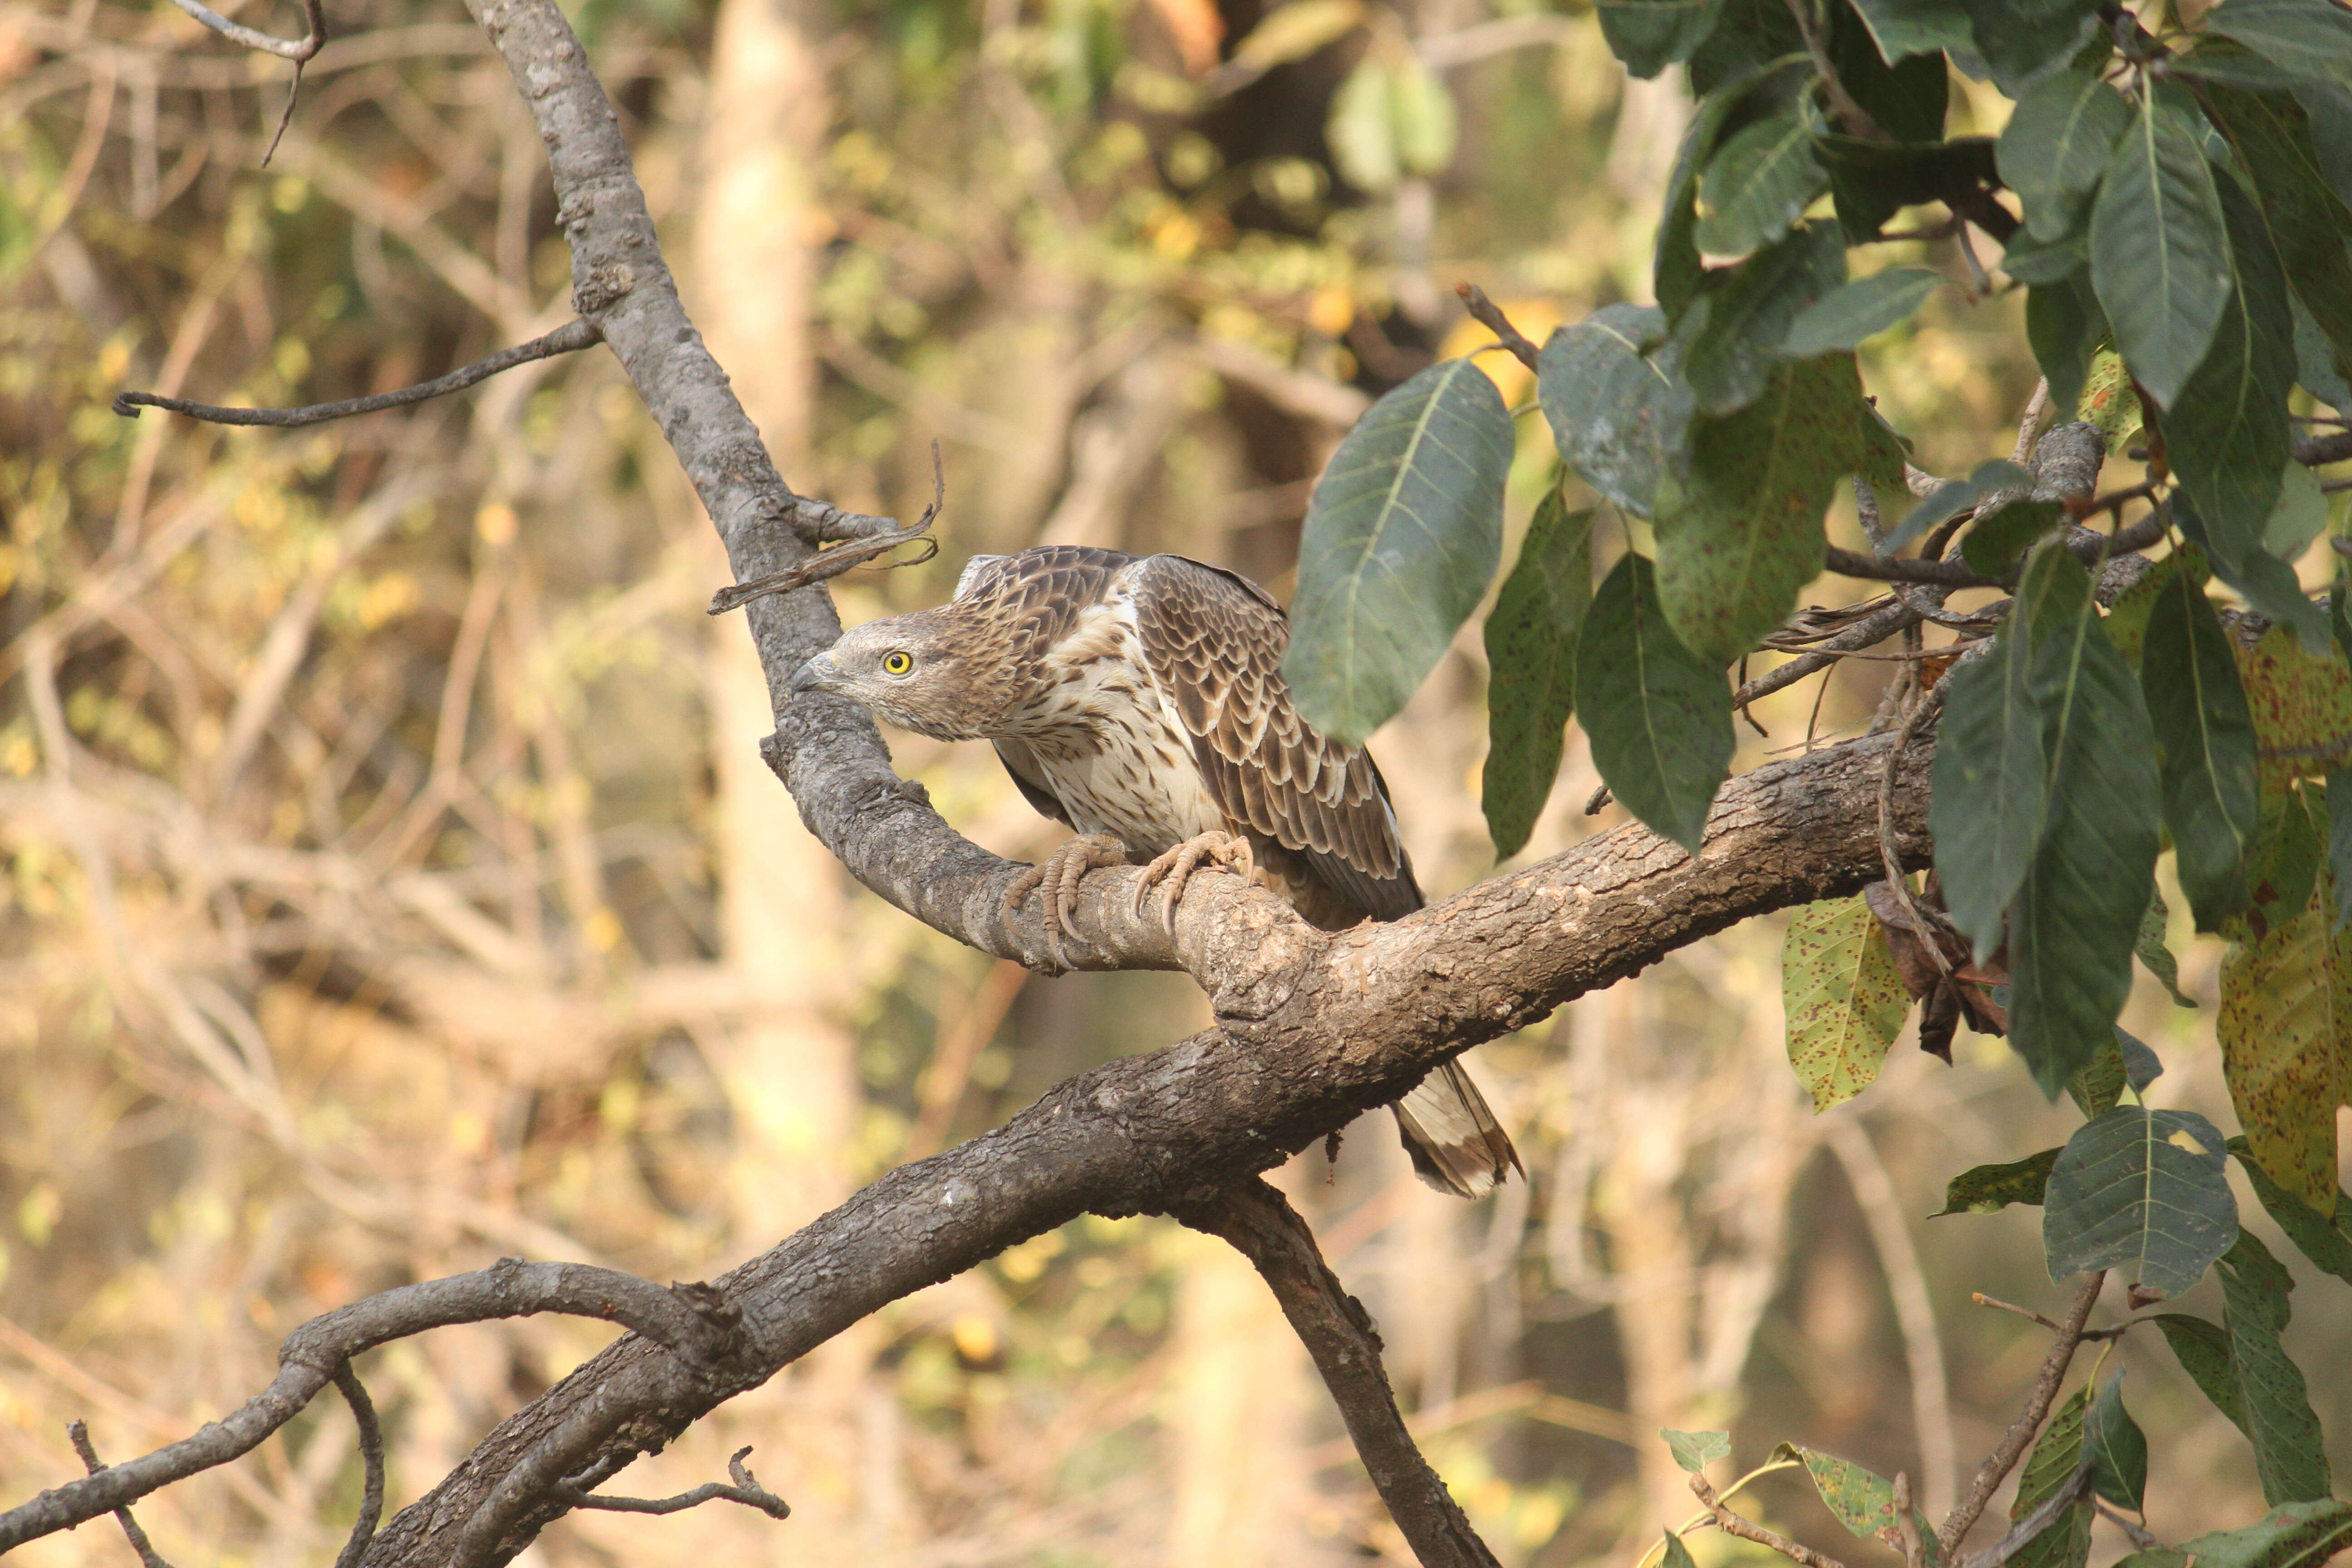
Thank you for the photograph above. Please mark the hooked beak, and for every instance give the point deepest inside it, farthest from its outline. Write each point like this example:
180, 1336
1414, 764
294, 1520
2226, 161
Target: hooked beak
815, 674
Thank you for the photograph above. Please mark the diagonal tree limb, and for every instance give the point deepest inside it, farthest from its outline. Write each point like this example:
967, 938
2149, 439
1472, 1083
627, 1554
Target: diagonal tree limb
2003, 1459
1338, 1335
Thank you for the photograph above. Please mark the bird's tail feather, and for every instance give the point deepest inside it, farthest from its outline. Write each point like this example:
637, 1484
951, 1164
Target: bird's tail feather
1456, 1144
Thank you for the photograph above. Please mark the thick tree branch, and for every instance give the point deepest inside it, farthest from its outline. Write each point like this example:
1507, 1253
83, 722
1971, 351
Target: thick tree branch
1338, 1335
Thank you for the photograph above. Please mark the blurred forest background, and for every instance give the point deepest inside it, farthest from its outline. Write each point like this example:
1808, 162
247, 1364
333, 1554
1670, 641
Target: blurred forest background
393, 883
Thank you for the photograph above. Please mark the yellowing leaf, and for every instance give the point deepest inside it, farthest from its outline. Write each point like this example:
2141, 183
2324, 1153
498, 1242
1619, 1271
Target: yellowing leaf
1844, 1001
2285, 1001
2301, 704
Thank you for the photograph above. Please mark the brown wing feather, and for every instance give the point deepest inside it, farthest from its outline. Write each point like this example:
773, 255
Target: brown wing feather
1213, 643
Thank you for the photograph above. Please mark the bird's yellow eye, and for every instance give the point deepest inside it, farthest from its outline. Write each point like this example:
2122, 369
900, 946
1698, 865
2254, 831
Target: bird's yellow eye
897, 663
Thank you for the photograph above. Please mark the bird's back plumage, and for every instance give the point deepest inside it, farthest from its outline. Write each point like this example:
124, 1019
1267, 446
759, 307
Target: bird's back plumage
1142, 697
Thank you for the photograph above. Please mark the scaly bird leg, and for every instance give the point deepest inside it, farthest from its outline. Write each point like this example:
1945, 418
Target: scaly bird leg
1059, 875
1226, 850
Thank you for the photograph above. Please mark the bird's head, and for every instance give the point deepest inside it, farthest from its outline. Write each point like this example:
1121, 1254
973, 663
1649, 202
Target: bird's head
913, 671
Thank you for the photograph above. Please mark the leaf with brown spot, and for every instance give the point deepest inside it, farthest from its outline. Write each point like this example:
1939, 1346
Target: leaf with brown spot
2301, 705
2286, 990
1844, 1001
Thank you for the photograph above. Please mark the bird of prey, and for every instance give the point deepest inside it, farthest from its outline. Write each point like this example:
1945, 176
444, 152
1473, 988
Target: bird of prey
1141, 700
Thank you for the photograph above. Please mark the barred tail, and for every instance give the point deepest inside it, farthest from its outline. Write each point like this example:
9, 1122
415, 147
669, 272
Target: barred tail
1456, 1144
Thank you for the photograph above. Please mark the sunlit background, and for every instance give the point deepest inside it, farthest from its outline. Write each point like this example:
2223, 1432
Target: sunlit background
393, 883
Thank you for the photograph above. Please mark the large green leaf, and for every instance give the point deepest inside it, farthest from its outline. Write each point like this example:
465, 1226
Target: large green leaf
2064, 324
2140, 1186
1616, 414
2329, 105
2309, 224
1650, 35
1402, 535
2283, 1013
2064, 1542
1988, 1189
1694, 1451
2024, 40
1840, 320
1677, 272
1658, 717
1906, 28
1741, 535
2198, 709
1908, 99
2117, 1448
2325, 1238
1757, 184
1991, 779
2226, 432
1734, 333
2290, 1453
2297, 1535
2159, 255
1531, 650
2057, 146
1842, 995
1994, 476
2073, 923
2203, 1351
2309, 37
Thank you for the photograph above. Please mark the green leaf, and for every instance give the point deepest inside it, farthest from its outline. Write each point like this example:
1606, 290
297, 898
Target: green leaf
2203, 1351
1990, 777
2309, 224
2228, 434
1676, 1554
1843, 996
2339, 851
2290, 1453
1874, 180
1905, 27
2063, 323
1402, 535
2044, 262
2282, 1011
2024, 40
2057, 146
1842, 318
2298, 517
1862, 1500
1988, 1189
2142, 1067
2315, 365
2065, 1542
1908, 98
2197, 708
1615, 414
2309, 37
1694, 1451
1997, 538
1531, 649
2117, 1448
2073, 923
2326, 1238
2159, 254
1953, 497
2267, 583
2140, 1186
2298, 1535
1427, 125
1757, 184
2099, 1087
2108, 402
1650, 35
1361, 128
1732, 336
1742, 534
2154, 956
1658, 717
2330, 107
1677, 272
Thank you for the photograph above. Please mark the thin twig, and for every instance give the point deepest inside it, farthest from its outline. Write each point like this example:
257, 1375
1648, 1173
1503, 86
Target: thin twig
301, 51
1981, 1299
1731, 1523
1857, 120
1914, 1554
2139, 1534
1903, 569
568, 338
745, 1491
832, 563
1489, 315
355, 1395
2003, 1460
2023, 1533
147, 1556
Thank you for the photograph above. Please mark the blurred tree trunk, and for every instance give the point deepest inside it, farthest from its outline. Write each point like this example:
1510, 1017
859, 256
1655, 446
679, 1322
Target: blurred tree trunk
791, 1070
